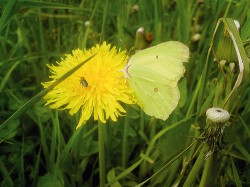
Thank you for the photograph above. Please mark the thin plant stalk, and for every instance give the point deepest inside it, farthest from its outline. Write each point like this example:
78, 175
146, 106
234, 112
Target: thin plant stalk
208, 174
101, 149
124, 140
196, 168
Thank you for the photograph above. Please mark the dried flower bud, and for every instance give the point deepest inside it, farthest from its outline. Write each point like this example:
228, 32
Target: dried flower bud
140, 30
135, 9
196, 37
226, 49
149, 37
222, 63
140, 41
87, 23
232, 66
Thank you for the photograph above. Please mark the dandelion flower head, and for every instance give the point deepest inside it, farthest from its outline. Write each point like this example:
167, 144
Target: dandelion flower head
97, 87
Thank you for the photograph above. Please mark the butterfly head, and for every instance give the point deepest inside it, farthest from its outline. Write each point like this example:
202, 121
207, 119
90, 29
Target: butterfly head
125, 71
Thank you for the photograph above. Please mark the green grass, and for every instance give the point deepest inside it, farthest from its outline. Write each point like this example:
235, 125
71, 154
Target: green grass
42, 147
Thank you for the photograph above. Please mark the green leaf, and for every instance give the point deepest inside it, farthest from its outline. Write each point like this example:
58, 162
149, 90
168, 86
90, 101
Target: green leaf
111, 176
245, 34
49, 180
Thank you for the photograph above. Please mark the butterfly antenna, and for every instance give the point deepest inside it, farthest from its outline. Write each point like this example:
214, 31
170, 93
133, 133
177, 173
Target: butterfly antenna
123, 45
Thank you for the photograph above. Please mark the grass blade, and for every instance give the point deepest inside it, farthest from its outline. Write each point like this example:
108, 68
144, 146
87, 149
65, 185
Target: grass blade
235, 174
7, 13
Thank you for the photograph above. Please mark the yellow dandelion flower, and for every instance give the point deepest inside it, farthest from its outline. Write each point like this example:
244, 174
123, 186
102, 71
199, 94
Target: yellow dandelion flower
97, 87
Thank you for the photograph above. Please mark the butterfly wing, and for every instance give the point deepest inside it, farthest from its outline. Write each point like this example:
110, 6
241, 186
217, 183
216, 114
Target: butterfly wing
161, 63
153, 74
155, 99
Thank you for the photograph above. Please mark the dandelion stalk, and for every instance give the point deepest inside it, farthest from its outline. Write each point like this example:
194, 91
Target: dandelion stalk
101, 149
124, 140
214, 130
209, 173
195, 169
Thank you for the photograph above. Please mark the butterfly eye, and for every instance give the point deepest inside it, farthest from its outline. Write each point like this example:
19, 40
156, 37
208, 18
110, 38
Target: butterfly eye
84, 82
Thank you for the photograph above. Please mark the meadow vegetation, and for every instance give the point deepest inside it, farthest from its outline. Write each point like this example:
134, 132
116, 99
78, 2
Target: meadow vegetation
42, 147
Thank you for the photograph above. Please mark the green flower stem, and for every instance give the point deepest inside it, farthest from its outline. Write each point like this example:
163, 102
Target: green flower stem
196, 168
124, 140
101, 148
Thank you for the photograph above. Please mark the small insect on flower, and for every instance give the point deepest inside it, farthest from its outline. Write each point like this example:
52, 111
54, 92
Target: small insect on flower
84, 82
98, 87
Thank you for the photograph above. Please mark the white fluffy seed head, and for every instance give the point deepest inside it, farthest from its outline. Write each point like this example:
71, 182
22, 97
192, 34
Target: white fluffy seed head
217, 115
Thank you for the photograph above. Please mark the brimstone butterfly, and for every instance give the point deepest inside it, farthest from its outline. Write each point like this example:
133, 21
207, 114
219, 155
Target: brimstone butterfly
153, 74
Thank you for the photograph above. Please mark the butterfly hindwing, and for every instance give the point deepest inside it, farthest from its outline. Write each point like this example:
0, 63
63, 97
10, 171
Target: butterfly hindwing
154, 101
